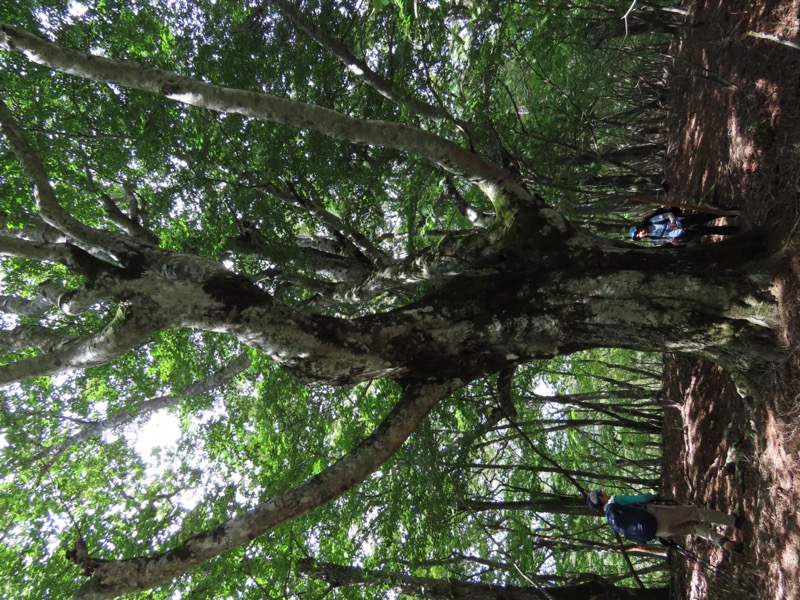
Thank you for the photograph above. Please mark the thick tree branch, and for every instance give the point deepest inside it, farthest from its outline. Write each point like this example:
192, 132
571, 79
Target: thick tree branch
128, 330
113, 578
49, 208
37, 231
47, 295
499, 185
35, 307
12, 246
32, 336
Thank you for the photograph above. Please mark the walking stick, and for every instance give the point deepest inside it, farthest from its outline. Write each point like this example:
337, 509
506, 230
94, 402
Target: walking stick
704, 564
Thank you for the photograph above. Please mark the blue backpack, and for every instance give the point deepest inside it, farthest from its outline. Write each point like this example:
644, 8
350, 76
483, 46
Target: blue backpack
636, 524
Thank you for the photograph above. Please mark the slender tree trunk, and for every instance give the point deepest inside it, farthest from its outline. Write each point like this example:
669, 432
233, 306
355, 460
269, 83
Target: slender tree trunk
451, 589
563, 505
582, 474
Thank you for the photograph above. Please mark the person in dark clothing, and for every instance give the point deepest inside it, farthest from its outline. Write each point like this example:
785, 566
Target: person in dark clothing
675, 520
671, 225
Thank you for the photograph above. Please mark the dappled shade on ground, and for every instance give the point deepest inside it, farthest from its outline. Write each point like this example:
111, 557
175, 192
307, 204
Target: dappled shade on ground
734, 140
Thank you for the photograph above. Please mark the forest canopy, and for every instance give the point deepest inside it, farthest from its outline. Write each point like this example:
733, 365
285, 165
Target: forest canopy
367, 259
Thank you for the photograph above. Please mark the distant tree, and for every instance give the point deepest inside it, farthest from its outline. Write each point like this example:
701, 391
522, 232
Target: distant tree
428, 587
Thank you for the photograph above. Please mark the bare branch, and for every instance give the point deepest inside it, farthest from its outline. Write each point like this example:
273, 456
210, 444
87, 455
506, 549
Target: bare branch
474, 215
360, 247
504, 399
48, 293
33, 336
36, 231
774, 38
11, 246
355, 238
126, 223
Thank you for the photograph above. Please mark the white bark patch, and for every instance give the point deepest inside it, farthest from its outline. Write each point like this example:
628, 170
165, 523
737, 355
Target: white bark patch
355, 69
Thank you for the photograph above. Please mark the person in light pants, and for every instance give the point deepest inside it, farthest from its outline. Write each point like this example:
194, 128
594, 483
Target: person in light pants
676, 520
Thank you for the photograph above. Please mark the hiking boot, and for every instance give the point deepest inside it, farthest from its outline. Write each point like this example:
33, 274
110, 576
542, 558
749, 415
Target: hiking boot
731, 546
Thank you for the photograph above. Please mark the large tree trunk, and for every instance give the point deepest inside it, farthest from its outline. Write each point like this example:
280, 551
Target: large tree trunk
706, 301
542, 287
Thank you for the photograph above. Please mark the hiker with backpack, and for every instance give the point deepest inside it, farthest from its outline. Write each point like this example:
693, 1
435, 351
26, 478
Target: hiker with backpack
641, 518
673, 225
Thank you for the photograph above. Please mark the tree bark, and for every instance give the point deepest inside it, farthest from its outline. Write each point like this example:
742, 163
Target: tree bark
586, 475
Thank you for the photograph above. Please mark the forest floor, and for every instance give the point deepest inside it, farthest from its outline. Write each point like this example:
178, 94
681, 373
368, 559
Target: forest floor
734, 141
